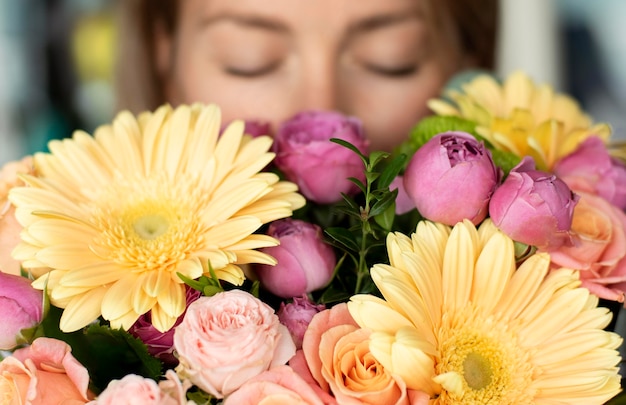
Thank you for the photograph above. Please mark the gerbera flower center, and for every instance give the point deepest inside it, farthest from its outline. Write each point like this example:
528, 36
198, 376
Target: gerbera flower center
151, 226
481, 362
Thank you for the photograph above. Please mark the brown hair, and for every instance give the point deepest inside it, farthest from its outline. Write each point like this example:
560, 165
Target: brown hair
139, 87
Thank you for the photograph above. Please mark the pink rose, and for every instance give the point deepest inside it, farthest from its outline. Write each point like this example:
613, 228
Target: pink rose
451, 178
134, 389
533, 207
9, 227
338, 357
305, 262
226, 339
280, 385
161, 344
44, 373
319, 167
21, 307
297, 315
590, 168
599, 247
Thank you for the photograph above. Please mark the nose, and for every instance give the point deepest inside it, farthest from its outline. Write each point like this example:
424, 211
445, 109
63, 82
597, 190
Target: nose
317, 82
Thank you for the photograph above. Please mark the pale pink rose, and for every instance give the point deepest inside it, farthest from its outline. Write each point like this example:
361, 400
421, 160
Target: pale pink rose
9, 227
44, 373
338, 356
599, 247
134, 389
278, 386
227, 339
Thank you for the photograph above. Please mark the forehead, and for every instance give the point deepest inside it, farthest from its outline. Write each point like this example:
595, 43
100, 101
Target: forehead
298, 15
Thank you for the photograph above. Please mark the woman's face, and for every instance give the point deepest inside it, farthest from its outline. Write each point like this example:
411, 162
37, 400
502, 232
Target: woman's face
267, 60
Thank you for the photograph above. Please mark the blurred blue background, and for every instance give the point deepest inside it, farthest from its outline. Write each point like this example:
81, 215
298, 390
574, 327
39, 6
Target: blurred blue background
57, 58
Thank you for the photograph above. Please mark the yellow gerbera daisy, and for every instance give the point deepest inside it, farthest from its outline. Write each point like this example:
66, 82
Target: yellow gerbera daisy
522, 118
461, 323
117, 216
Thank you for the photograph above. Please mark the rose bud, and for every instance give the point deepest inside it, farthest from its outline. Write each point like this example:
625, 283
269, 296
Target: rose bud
533, 207
307, 157
590, 168
305, 262
297, 315
451, 177
161, 344
21, 307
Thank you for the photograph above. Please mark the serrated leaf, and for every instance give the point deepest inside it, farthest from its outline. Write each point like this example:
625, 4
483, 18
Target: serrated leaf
350, 146
382, 204
391, 171
343, 237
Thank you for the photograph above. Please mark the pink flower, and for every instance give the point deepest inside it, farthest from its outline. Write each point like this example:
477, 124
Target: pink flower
404, 203
338, 357
297, 315
590, 168
134, 389
9, 227
280, 385
253, 128
161, 344
451, 178
533, 207
305, 262
599, 247
44, 373
21, 307
320, 168
226, 339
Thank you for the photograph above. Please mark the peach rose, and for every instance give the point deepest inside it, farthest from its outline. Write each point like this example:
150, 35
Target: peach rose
278, 386
338, 356
227, 339
9, 227
134, 389
44, 373
599, 247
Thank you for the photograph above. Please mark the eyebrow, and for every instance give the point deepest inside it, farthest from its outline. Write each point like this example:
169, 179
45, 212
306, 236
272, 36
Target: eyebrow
250, 21
382, 21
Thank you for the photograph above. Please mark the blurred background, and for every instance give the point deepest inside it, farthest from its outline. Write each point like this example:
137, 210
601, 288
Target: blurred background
57, 57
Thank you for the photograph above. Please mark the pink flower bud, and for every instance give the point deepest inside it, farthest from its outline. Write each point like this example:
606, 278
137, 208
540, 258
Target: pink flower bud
253, 128
533, 207
319, 167
297, 315
21, 307
305, 262
451, 178
590, 168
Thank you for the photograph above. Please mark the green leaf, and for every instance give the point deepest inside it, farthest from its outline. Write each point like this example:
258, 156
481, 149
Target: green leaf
376, 157
505, 160
353, 148
211, 290
381, 205
358, 183
343, 237
332, 295
350, 201
433, 125
385, 219
195, 284
391, 171
371, 176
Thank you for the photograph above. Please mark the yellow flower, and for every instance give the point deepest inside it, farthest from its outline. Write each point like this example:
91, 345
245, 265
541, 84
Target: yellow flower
117, 216
461, 323
522, 118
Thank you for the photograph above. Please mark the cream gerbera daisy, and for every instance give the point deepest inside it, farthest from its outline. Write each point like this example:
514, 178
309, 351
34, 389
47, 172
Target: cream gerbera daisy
461, 323
523, 118
117, 216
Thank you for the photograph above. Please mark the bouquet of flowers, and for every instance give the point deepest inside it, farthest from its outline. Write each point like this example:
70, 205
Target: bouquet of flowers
168, 259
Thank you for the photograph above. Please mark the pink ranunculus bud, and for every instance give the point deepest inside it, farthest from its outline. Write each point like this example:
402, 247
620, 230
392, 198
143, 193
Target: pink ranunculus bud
161, 344
451, 177
21, 307
319, 167
305, 262
590, 168
533, 207
253, 128
297, 315
404, 203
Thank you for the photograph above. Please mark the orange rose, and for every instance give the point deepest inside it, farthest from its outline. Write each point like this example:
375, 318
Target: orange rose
599, 247
338, 356
9, 227
44, 373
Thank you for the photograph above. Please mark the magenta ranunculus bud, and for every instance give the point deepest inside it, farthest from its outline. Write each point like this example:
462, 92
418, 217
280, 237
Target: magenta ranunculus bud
21, 307
451, 178
305, 262
590, 168
297, 315
161, 344
319, 167
533, 207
